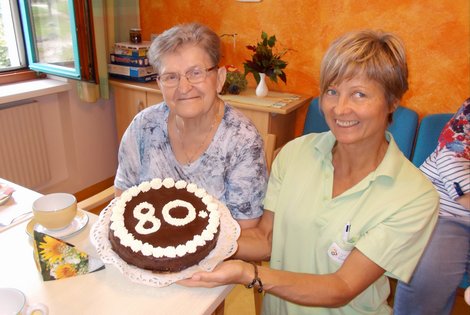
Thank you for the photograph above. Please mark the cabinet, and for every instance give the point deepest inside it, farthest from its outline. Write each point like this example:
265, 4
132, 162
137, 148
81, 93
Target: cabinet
273, 115
129, 99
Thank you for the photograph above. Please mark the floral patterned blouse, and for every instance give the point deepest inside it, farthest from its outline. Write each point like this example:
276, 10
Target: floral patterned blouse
456, 134
232, 169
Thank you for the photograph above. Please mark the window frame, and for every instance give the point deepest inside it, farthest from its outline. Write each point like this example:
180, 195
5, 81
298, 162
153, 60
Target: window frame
29, 38
86, 40
83, 41
14, 76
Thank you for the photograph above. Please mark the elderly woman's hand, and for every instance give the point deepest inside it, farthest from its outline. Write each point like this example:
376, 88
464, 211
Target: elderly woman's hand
227, 272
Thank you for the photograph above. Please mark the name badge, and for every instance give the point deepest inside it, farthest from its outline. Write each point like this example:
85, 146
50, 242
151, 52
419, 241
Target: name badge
338, 254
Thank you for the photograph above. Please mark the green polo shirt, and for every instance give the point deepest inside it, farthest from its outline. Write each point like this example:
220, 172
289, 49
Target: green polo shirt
391, 213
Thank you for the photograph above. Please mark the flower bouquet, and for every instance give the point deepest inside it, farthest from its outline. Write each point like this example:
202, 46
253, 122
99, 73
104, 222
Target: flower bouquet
264, 60
235, 81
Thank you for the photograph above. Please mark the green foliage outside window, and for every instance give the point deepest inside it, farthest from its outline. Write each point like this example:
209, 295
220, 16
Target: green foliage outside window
4, 59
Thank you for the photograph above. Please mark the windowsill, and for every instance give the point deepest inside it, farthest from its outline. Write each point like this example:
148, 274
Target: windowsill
15, 76
30, 89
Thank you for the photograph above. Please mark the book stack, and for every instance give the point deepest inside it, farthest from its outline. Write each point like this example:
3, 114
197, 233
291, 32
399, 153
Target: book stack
129, 61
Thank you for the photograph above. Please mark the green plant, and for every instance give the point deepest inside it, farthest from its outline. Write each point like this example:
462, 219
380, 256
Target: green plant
235, 81
264, 60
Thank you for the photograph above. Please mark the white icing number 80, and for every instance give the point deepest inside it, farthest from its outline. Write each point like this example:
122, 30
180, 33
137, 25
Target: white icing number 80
149, 216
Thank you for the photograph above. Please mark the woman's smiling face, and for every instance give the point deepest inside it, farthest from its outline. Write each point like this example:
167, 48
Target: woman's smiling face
356, 110
191, 100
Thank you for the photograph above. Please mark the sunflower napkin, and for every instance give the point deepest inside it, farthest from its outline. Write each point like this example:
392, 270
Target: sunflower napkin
57, 259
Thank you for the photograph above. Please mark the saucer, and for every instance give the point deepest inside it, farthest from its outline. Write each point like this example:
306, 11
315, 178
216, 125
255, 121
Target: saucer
77, 224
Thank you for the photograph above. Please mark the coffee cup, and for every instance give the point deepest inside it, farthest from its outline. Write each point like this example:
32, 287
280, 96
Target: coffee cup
55, 211
13, 301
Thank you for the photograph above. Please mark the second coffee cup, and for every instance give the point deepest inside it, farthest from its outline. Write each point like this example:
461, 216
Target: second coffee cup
55, 211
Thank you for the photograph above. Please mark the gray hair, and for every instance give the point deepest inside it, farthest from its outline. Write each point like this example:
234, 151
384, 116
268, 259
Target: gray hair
378, 55
192, 33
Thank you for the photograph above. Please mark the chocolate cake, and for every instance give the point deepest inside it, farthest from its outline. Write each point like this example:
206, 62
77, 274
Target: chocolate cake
164, 226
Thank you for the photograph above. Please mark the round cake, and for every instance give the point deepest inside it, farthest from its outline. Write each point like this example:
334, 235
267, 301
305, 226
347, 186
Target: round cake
163, 225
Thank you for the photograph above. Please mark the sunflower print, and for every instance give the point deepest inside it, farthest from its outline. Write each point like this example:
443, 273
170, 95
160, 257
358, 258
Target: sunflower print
58, 259
52, 249
64, 271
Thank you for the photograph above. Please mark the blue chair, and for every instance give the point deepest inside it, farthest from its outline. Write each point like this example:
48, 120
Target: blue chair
428, 134
403, 127
315, 121
465, 283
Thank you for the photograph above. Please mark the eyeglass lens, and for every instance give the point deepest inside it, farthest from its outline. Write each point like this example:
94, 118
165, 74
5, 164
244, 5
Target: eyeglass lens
195, 75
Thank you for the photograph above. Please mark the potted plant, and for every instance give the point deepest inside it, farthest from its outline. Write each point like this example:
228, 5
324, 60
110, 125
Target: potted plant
235, 81
266, 62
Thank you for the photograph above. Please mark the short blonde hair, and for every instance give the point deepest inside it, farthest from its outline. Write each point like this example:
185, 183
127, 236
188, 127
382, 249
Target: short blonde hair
378, 55
192, 33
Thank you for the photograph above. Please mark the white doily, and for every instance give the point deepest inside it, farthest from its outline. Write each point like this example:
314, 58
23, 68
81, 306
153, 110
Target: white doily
226, 247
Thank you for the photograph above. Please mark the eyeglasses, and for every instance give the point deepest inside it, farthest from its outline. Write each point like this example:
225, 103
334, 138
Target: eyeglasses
196, 75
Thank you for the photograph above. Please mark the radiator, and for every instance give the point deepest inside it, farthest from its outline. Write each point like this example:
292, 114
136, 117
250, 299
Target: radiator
23, 151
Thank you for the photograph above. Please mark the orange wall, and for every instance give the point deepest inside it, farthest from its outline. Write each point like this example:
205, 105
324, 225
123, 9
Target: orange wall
436, 35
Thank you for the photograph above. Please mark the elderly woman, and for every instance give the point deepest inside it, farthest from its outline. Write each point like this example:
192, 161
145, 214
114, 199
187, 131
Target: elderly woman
193, 135
344, 208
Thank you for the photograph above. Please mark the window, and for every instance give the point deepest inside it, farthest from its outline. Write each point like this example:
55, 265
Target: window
58, 37
12, 53
49, 28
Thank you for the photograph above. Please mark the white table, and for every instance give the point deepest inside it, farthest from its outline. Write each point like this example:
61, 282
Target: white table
103, 292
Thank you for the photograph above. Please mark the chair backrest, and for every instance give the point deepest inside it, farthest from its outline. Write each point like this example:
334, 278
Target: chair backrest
403, 127
428, 134
315, 121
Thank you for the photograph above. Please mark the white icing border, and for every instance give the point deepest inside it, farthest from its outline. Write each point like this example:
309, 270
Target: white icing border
128, 240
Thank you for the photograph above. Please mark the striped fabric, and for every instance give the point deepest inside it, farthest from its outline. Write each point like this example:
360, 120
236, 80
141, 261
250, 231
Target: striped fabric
444, 169
448, 167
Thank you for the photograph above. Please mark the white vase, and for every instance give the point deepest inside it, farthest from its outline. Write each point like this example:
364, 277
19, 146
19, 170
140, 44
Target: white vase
262, 88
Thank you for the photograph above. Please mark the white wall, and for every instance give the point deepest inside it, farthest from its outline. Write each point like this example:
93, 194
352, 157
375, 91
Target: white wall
80, 137
87, 152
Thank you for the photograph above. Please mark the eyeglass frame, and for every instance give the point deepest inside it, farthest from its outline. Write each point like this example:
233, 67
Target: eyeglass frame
205, 70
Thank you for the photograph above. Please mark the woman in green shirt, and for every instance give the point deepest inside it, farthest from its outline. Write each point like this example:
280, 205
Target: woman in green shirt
344, 208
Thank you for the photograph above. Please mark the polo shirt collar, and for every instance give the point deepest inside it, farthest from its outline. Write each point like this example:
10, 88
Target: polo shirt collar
388, 168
